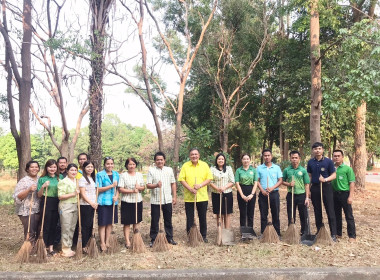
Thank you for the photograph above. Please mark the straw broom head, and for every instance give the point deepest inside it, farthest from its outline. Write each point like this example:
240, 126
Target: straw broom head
137, 242
24, 252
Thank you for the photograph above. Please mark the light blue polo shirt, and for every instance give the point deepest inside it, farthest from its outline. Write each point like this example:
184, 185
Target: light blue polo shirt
273, 173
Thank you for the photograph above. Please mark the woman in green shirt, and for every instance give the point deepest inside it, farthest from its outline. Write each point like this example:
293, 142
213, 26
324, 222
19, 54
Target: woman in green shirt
246, 184
47, 186
68, 208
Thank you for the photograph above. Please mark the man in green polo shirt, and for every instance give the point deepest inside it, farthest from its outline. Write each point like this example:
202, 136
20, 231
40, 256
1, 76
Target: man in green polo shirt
343, 188
296, 177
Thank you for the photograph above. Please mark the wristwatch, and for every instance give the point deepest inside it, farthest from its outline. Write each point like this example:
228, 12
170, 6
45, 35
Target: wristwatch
325, 180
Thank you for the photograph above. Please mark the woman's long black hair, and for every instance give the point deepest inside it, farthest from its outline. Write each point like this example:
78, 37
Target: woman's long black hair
225, 162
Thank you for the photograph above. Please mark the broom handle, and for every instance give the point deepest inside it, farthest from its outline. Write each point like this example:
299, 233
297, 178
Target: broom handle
268, 197
320, 183
220, 208
136, 206
43, 213
161, 205
195, 199
30, 211
225, 210
293, 199
96, 201
79, 217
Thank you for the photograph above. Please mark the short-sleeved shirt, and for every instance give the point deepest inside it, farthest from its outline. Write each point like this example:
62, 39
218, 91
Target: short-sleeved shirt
128, 182
166, 176
220, 178
67, 186
344, 176
23, 206
300, 178
103, 180
324, 167
273, 173
246, 177
90, 189
53, 186
195, 174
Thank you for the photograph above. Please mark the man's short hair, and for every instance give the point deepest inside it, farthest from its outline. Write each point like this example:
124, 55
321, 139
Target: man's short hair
266, 150
83, 154
295, 152
61, 158
159, 154
338, 151
316, 145
194, 149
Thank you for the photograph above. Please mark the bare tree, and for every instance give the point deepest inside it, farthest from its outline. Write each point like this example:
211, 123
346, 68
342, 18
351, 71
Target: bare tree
184, 71
230, 108
99, 18
23, 81
145, 94
52, 83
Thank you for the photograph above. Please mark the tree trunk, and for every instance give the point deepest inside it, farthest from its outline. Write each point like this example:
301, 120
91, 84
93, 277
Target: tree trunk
25, 89
225, 128
316, 92
178, 124
100, 15
360, 160
146, 79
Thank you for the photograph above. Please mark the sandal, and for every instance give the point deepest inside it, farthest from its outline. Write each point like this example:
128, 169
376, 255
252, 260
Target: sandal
103, 248
68, 255
127, 246
52, 253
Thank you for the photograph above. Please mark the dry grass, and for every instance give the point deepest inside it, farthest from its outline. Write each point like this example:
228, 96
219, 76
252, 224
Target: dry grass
363, 253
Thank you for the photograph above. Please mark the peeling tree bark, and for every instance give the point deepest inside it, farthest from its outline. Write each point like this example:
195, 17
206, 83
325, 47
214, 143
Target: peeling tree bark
316, 92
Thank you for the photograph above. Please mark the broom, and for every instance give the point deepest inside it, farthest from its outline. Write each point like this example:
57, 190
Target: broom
113, 238
137, 242
195, 237
161, 243
92, 248
323, 237
24, 252
291, 236
219, 234
40, 245
270, 235
79, 252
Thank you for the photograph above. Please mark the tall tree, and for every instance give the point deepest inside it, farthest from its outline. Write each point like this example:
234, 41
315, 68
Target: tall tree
184, 71
23, 81
99, 19
316, 90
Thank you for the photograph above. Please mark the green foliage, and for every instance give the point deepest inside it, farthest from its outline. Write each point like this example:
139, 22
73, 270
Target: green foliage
6, 198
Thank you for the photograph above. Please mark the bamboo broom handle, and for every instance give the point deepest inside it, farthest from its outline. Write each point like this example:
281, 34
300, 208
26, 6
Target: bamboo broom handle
79, 217
30, 214
293, 199
43, 213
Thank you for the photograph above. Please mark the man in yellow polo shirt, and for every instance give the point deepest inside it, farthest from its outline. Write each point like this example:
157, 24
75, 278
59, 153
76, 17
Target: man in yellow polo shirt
195, 175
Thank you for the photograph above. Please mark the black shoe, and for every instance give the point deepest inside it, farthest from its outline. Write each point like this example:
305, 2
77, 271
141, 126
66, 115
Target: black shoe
171, 241
333, 237
205, 240
151, 244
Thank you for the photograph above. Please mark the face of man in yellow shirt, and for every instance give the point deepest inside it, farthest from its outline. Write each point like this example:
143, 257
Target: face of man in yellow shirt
194, 156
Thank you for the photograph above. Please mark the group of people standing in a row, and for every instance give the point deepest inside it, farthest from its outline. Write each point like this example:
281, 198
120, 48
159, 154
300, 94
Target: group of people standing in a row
63, 184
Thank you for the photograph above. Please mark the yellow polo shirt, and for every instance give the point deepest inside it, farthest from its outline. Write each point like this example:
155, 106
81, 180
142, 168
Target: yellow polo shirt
198, 174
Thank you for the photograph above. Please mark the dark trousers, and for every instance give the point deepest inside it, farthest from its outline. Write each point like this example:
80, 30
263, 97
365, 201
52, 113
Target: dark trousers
167, 211
57, 239
247, 209
34, 228
275, 210
299, 202
87, 220
340, 202
328, 202
202, 214
50, 226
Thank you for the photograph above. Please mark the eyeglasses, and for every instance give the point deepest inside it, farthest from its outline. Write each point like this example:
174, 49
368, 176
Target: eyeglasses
107, 158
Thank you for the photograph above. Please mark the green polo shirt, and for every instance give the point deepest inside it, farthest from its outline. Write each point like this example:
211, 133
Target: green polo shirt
53, 186
300, 178
344, 176
246, 177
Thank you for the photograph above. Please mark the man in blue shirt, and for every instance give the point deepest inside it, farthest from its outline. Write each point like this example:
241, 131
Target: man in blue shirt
270, 178
321, 170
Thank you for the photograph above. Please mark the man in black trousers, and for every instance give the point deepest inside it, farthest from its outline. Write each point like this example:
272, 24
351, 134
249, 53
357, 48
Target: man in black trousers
321, 170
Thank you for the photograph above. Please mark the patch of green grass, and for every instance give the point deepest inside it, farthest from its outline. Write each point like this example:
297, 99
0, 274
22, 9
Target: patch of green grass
6, 198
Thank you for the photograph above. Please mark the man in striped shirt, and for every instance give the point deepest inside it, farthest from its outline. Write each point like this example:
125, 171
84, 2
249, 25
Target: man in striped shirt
162, 182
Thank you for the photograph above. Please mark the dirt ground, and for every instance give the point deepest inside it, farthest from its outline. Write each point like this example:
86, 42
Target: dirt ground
364, 253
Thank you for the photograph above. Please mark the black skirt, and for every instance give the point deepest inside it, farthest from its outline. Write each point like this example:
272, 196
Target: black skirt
216, 202
128, 213
105, 215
